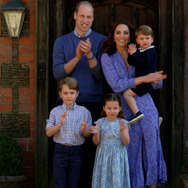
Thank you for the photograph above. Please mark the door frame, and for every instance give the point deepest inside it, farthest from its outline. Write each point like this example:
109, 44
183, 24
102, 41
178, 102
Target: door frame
172, 42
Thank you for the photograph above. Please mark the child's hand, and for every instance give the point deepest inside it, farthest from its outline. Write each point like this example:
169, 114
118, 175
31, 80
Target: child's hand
122, 125
63, 118
94, 129
132, 48
83, 126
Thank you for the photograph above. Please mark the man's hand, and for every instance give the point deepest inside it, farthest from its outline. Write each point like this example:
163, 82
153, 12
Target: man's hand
79, 52
85, 47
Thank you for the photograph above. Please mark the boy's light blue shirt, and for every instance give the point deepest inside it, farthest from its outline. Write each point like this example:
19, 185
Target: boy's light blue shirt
69, 134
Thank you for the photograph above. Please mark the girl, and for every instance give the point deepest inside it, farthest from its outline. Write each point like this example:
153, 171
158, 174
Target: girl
111, 134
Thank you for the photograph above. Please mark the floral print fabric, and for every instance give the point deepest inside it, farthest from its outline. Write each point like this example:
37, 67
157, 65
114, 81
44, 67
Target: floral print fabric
146, 163
111, 169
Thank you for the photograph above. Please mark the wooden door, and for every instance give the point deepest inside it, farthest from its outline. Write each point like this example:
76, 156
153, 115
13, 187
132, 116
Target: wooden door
167, 18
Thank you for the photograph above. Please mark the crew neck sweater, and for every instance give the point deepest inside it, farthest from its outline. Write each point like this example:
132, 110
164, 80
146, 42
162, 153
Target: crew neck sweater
90, 80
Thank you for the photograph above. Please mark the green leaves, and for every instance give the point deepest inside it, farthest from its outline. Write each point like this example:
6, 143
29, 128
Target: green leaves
11, 157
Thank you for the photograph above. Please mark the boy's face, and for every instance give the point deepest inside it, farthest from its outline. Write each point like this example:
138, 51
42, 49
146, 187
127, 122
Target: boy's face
68, 95
144, 41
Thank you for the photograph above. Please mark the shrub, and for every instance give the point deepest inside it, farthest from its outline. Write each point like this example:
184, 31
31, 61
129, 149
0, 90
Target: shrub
11, 157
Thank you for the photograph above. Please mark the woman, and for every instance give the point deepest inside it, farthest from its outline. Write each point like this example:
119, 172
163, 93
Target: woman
146, 163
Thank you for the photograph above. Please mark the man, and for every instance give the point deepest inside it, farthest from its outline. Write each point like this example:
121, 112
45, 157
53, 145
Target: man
77, 54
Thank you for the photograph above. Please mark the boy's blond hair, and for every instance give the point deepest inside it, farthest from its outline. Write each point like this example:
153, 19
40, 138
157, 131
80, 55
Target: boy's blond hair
70, 82
144, 30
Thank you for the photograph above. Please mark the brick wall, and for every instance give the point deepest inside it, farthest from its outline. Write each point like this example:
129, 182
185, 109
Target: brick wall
187, 66
18, 87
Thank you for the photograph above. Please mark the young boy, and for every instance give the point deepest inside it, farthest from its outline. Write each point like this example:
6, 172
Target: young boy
144, 59
68, 124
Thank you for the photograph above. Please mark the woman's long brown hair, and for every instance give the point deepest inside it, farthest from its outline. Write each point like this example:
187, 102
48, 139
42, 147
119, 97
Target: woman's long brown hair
109, 45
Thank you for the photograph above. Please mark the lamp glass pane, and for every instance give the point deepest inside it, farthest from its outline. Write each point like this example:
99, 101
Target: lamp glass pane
13, 19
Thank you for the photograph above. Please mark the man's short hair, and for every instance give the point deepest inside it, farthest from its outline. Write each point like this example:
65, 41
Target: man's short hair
83, 3
144, 30
70, 82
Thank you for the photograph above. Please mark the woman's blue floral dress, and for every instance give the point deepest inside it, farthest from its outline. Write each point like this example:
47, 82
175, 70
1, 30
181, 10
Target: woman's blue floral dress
111, 169
146, 162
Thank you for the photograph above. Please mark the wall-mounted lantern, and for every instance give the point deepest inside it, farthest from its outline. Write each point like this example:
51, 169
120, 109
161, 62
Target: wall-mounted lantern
14, 13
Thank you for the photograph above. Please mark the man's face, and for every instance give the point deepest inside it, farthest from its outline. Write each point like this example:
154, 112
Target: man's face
83, 19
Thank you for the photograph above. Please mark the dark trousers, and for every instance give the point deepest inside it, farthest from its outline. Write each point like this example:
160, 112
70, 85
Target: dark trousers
67, 164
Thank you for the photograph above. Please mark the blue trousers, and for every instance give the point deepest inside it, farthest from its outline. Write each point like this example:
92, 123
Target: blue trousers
67, 164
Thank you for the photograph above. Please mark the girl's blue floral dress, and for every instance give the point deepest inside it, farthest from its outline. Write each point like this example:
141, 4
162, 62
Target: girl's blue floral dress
111, 169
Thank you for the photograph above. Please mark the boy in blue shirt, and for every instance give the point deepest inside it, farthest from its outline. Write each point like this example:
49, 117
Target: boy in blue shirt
68, 124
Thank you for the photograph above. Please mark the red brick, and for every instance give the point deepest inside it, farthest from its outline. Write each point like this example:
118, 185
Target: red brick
24, 49
26, 40
32, 132
29, 162
26, 99
32, 66
32, 15
26, 91
5, 99
32, 24
32, 83
5, 108
32, 124
5, 57
5, 91
26, 108
6, 49
5, 40
23, 143
33, 32
32, 74
32, 6
32, 116
29, 154
29, 170
31, 144
27, 57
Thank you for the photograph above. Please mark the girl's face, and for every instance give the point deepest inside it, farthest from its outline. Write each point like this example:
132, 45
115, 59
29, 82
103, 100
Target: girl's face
112, 110
121, 35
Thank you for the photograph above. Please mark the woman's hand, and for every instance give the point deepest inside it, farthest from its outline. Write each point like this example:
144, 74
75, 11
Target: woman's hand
155, 77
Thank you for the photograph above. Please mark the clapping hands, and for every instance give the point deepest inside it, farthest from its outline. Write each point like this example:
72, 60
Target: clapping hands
63, 118
95, 129
83, 126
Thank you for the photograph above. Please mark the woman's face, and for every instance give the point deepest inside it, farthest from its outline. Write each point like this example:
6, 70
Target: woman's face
121, 35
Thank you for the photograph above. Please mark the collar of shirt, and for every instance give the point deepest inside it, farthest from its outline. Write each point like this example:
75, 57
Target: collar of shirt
89, 31
67, 108
146, 48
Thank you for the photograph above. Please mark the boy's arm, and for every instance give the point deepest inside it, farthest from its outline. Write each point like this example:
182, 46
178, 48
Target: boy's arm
52, 130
